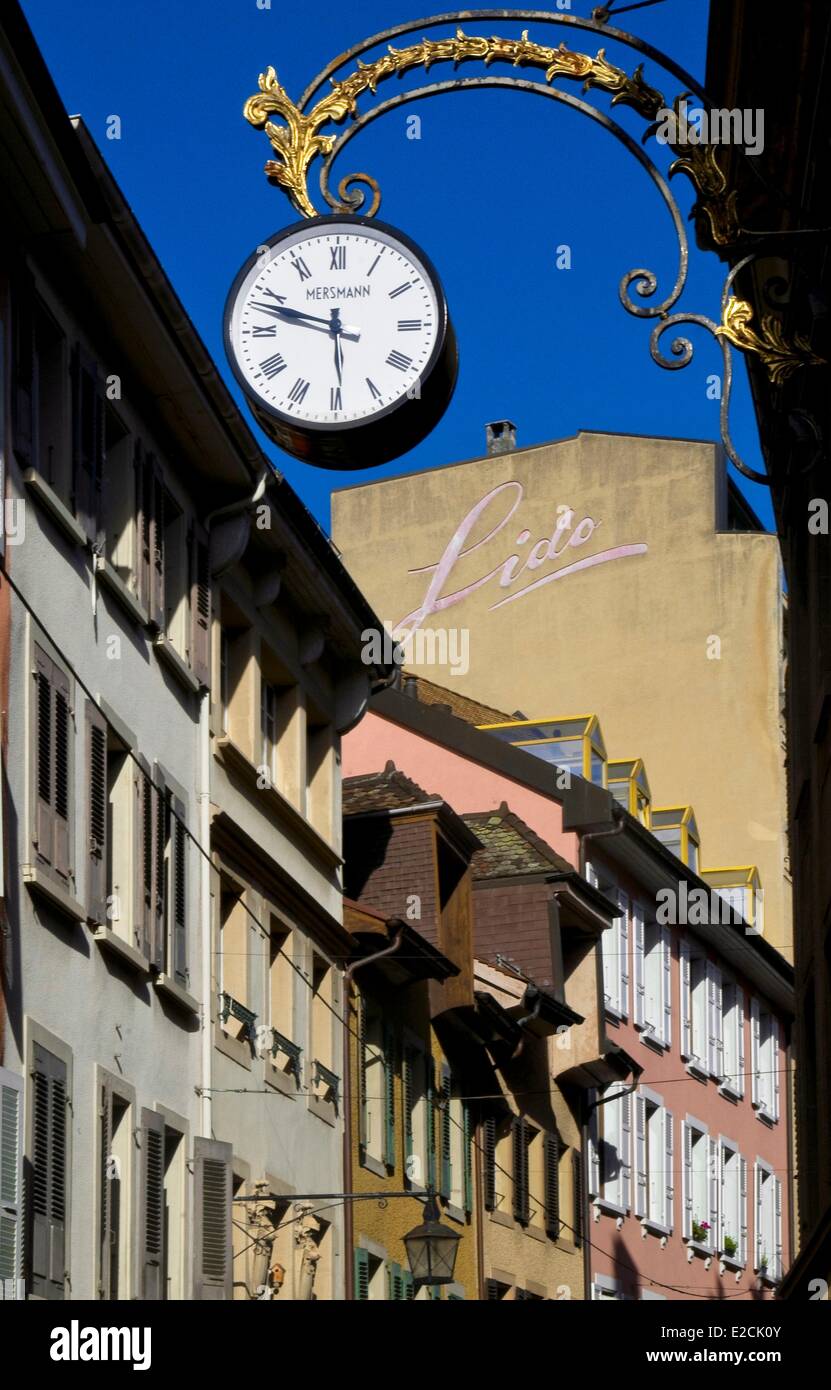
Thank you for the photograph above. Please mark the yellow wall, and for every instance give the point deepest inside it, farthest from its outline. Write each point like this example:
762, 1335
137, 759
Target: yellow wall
627, 639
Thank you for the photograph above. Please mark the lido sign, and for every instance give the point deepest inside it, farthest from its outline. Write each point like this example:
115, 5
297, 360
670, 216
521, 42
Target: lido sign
524, 570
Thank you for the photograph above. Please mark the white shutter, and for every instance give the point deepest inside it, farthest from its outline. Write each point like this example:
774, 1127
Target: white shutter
724, 1200
759, 1232
743, 1211
626, 1150
640, 967
754, 1051
713, 1019
714, 1176
776, 1253
739, 1007
591, 876
594, 1150
11, 1205
718, 1004
776, 1054
686, 999
666, 976
623, 957
641, 1194
686, 1180
669, 1189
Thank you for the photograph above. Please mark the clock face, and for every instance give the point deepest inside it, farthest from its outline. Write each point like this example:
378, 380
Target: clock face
338, 323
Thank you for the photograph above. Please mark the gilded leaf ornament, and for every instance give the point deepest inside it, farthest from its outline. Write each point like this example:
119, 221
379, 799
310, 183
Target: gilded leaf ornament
780, 357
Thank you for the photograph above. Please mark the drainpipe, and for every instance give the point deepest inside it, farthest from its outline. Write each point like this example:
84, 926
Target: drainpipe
348, 1222
596, 835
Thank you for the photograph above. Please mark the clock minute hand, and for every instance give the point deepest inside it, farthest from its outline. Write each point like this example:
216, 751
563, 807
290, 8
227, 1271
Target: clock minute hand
313, 320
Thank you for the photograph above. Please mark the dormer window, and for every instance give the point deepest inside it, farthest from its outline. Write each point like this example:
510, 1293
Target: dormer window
629, 786
741, 892
576, 744
675, 827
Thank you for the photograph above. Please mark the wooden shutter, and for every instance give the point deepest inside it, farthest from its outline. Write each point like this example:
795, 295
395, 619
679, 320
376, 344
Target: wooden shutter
178, 893
389, 1095
161, 833
640, 967
105, 1216
49, 1174
361, 1290
144, 521
489, 1147
143, 840
467, 1157
430, 1071
44, 836
87, 441
446, 1178
151, 1205
577, 1180
157, 529
519, 1134
669, 1187
23, 367
200, 605
641, 1194
97, 807
665, 938
62, 722
11, 1166
686, 998
213, 1261
552, 1185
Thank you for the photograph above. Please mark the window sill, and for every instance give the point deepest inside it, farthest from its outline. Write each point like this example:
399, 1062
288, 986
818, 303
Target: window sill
698, 1247
766, 1118
165, 984
233, 757
374, 1165
770, 1279
324, 1109
454, 1213
234, 1048
167, 653
700, 1073
535, 1232
729, 1094
111, 941
282, 1081
650, 1039
112, 580
611, 1208
614, 1014
39, 881
731, 1262
655, 1228
501, 1218
57, 509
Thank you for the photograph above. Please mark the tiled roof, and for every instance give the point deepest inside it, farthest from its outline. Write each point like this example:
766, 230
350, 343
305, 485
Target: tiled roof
471, 711
389, 790
510, 846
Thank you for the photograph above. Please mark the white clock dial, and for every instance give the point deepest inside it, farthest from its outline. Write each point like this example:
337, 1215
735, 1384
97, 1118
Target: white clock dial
335, 323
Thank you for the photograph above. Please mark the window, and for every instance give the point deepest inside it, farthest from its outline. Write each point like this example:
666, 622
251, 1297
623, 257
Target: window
173, 1215
732, 1028
115, 1153
606, 1290
53, 768
377, 1085
610, 1128
319, 774
175, 575
419, 1120
212, 1189
765, 1061
523, 1137
675, 827
268, 730
614, 949
768, 1246
496, 1290
371, 1279
233, 961
49, 1173
11, 1185
701, 1010
653, 978
700, 1184
119, 496
732, 1232
653, 1161
456, 1158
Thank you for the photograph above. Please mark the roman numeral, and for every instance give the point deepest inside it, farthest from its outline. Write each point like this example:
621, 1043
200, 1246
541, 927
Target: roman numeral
335, 399
402, 289
376, 394
409, 325
397, 359
272, 365
298, 391
267, 330
302, 269
281, 298
337, 258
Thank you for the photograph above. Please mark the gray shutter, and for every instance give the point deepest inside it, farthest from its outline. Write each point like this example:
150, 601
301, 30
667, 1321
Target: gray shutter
97, 806
623, 957
139, 850
686, 1181
49, 1174
739, 1007
666, 976
625, 1154
756, 1093
145, 840
669, 1190
641, 1194
777, 1230
686, 998
144, 514
62, 764
151, 1205
11, 1166
713, 1161
361, 1290
178, 895
743, 1211
213, 1259
157, 526
105, 1217
23, 367
87, 441
44, 828
640, 967
161, 832
200, 605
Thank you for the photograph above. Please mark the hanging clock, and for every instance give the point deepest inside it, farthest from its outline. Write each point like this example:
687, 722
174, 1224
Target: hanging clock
339, 335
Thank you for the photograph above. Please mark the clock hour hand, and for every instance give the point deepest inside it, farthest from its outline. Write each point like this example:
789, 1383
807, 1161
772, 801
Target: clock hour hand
312, 320
336, 329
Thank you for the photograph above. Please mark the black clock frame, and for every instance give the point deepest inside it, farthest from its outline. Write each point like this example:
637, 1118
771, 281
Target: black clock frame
398, 427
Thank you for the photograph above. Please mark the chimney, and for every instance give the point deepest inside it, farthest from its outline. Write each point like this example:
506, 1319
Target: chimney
500, 436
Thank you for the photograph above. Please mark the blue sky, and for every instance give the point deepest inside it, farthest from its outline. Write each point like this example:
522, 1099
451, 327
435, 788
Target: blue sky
497, 181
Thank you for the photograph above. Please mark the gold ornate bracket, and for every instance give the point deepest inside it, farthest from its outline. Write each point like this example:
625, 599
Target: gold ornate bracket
780, 358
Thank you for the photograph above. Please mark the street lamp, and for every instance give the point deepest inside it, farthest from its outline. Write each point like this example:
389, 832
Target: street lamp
432, 1248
